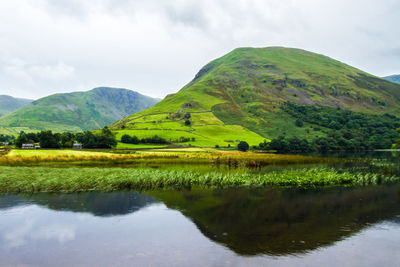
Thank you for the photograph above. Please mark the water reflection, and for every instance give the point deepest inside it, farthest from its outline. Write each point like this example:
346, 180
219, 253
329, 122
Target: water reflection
260, 221
283, 221
29, 231
388, 155
98, 204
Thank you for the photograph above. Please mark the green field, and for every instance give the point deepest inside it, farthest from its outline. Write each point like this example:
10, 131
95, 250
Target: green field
204, 135
137, 146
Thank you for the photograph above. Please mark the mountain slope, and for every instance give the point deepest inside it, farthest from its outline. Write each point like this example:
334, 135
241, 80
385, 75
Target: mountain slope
393, 78
76, 111
239, 97
8, 104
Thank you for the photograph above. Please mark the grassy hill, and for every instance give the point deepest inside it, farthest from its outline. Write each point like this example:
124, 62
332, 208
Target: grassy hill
8, 104
393, 78
75, 111
240, 97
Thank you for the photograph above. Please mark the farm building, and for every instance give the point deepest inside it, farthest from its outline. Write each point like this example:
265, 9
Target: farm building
77, 146
28, 146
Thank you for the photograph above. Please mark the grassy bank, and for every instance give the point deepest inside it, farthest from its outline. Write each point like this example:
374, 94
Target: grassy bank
175, 156
48, 179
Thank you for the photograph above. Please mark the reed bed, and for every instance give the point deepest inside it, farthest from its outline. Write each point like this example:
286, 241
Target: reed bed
234, 159
50, 179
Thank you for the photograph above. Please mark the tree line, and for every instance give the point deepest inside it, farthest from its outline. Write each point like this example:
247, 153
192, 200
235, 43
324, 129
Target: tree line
344, 130
127, 139
47, 139
10, 139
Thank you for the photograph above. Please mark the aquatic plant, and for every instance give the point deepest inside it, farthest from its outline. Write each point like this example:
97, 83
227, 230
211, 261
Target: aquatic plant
50, 179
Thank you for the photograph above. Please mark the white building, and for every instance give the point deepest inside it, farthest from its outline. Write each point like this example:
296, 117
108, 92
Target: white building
28, 146
77, 146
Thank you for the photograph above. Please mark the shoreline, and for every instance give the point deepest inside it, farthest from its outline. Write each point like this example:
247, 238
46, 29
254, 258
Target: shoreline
79, 171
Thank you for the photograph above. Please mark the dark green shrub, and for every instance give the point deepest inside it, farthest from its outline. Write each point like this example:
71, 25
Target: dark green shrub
243, 146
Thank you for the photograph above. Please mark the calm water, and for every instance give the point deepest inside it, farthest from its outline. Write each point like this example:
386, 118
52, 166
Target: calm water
230, 227
337, 226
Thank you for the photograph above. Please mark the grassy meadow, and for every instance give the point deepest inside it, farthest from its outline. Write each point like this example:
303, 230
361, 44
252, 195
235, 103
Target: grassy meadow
206, 129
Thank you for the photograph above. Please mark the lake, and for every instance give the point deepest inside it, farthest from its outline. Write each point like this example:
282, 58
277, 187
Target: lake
333, 226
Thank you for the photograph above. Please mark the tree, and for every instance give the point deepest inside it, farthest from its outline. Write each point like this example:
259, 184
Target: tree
105, 139
279, 144
107, 132
188, 122
67, 139
7, 138
87, 139
126, 139
22, 139
135, 140
32, 136
49, 140
264, 145
243, 146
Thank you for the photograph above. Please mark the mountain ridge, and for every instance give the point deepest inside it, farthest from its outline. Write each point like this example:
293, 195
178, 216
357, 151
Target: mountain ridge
76, 111
9, 104
393, 78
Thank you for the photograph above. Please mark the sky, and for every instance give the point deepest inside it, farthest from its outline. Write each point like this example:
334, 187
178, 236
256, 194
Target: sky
155, 47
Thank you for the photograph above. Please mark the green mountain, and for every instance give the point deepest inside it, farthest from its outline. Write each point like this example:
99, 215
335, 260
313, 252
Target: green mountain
393, 78
241, 96
76, 111
8, 104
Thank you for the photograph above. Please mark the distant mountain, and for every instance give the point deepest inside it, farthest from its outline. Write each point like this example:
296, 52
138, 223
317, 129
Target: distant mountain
243, 94
393, 78
76, 111
8, 104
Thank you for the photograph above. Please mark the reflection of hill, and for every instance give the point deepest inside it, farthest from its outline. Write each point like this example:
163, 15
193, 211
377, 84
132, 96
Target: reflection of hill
9, 201
283, 221
98, 204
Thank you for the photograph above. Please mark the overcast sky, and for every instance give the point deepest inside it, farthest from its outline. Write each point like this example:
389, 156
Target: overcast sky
156, 46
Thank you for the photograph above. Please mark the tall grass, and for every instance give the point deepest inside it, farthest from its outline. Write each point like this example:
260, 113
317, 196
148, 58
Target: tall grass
230, 158
40, 179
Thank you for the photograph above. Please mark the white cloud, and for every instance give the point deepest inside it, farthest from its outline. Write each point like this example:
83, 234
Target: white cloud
157, 46
59, 233
58, 72
16, 68
18, 236
27, 231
